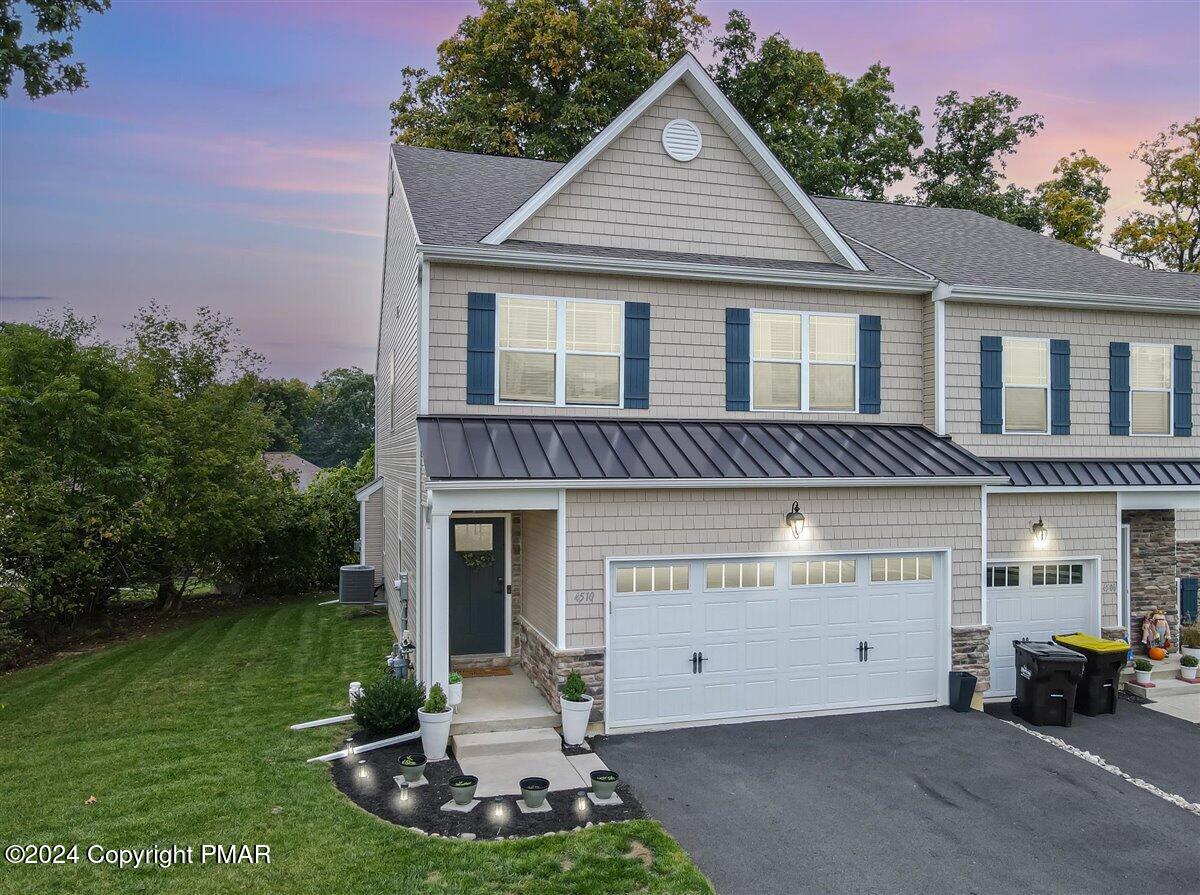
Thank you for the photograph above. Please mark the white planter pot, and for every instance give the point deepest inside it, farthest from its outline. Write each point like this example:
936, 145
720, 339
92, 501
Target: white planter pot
1143, 677
575, 717
454, 693
1191, 651
435, 733
1189, 674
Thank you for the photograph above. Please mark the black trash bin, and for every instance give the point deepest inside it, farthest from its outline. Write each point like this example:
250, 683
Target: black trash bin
1047, 675
1097, 692
962, 690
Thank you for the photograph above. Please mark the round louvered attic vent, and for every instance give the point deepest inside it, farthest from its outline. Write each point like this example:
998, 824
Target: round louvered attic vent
682, 140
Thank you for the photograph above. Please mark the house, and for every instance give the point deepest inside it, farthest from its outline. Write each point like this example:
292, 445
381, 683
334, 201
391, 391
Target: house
285, 463
736, 451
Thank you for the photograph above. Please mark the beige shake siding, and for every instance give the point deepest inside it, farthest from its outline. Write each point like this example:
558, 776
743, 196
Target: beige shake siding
1187, 525
539, 571
634, 195
1089, 333
1078, 524
687, 339
677, 521
929, 365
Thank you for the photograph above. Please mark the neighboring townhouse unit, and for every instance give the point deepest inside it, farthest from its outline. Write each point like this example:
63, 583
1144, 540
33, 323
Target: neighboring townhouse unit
734, 451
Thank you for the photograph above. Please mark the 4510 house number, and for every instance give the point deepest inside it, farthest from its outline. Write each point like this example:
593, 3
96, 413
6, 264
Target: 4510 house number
585, 596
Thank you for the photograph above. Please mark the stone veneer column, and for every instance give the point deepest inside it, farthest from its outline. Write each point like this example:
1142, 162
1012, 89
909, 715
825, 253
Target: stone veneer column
970, 652
1152, 570
548, 668
1115, 633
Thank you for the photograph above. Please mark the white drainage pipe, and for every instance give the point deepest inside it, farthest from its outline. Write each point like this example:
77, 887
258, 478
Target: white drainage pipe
369, 747
336, 719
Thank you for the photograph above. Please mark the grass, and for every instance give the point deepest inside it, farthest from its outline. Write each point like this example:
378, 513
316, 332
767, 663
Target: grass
182, 739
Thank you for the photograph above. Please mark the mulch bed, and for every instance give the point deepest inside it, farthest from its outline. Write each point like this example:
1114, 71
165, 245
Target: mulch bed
369, 785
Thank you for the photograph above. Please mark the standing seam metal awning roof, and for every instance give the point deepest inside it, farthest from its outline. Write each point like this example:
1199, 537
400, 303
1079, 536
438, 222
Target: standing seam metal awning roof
477, 448
1100, 473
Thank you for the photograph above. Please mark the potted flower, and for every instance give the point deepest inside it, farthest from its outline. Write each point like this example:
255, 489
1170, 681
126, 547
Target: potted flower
576, 709
455, 694
1142, 669
412, 767
462, 787
1187, 667
604, 783
533, 791
435, 719
1189, 639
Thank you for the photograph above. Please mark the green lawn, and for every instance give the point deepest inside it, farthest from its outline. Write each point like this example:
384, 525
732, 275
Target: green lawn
182, 738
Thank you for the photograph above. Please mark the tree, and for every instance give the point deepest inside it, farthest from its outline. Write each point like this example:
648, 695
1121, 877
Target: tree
972, 142
836, 135
1073, 201
289, 404
333, 510
539, 78
1169, 235
43, 65
342, 423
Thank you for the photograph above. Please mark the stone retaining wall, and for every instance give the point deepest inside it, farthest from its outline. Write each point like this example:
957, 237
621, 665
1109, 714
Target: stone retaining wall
548, 667
969, 652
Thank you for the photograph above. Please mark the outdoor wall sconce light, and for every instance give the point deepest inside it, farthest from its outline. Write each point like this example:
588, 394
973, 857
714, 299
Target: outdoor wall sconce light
795, 520
1039, 531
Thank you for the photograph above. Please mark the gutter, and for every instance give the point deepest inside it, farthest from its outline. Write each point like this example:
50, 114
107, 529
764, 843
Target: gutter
630, 484
1052, 298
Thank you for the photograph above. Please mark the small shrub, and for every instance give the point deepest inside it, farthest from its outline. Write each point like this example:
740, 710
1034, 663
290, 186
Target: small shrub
389, 704
455, 677
411, 761
436, 703
1190, 636
573, 687
1142, 665
1189, 661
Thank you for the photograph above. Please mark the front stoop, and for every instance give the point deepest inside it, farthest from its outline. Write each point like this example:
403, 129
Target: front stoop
506, 742
1164, 670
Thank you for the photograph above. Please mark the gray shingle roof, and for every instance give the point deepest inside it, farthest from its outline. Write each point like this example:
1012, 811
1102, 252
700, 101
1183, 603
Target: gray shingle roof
473, 448
1119, 473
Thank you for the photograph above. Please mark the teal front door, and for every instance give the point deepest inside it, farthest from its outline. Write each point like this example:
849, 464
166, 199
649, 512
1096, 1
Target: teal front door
477, 587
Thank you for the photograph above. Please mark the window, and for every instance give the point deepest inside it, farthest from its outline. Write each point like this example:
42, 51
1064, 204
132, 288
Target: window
804, 361
1150, 389
1003, 576
646, 579
1064, 573
559, 351
827, 571
1027, 385
470, 537
721, 575
902, 568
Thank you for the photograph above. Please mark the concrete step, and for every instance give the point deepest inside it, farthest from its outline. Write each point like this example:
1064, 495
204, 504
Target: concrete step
1164, 669
547, 720
1162, 688
507, 742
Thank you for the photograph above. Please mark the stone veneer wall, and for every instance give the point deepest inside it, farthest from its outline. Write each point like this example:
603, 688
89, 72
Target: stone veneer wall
969, 652
1152, 569
1116, 633
548, 667
1187, 556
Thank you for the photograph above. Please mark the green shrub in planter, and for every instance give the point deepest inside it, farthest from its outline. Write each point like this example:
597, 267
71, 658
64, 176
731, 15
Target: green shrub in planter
389, 705
573, 687
1190, 636
436, 703
1142, 665
455, 677
1189, 661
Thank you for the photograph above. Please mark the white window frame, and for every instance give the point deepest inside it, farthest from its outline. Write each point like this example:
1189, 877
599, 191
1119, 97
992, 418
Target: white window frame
740, 562
805, 360
1004, 340
1170, 390
872, 558
560, 352
853, 581
1002, 565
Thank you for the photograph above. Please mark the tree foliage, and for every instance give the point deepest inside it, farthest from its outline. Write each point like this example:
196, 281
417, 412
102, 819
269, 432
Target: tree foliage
539, 78
1168, 235
342, 422
836, 135
1073, 200
289, 405
44, 64
964, 166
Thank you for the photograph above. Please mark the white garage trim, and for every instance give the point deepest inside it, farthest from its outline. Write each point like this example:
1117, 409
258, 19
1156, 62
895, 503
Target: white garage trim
942, 576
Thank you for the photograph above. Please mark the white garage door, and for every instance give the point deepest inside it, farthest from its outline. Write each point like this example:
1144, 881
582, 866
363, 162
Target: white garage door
715, 639
1036, 600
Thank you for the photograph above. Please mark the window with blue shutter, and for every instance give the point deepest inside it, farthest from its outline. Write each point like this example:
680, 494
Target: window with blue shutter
481, 348
1189, 591
1118, 388
991, 385
869, 357
737, 359
1060, 387
637, 355
1183, 390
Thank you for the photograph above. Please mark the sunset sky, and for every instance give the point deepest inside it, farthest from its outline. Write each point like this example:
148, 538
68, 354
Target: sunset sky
234, 154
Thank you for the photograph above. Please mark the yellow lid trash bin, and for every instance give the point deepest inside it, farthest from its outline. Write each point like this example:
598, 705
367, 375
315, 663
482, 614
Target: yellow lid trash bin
1097, 692
1091, 644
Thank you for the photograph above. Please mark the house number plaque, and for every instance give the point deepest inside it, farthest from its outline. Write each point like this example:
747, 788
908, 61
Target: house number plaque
585, 596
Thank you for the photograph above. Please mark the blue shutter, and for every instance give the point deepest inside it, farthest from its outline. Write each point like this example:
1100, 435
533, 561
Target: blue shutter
737, 359
1118, 388
1189, 591
637, 355
1183, 389
1060, 387
868, 363
991, 385
481, 348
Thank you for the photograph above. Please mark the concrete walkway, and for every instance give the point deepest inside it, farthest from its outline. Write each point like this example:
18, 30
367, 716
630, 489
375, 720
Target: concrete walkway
1177, 699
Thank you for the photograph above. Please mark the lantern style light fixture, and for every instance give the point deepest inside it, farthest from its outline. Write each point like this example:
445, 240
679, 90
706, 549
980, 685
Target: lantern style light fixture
795, 520
1039, 531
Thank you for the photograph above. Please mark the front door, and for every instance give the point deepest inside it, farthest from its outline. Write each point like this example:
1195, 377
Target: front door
477, 610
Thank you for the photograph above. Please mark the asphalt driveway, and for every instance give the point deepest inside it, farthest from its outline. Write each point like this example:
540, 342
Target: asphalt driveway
923, 801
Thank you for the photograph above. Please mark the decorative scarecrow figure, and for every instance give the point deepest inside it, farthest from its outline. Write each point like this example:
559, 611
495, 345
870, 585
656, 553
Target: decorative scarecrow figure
1155, 631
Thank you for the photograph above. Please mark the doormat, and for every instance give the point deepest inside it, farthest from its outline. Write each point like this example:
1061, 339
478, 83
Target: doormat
484, 672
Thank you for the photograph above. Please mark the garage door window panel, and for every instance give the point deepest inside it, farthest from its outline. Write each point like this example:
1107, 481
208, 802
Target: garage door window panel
899, 569
830, 571
1027, 386
1004, 576
739, 575
1054, 574
651, 579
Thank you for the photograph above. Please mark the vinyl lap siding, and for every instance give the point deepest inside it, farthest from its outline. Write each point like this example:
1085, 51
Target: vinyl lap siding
1089, 333
687, 339
372, 534
539, 571
669, 522
634, 195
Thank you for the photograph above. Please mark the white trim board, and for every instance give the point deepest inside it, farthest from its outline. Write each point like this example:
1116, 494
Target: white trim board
1055, 298
442, 488
689, 70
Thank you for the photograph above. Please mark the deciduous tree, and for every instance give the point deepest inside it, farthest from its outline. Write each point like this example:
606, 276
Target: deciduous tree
44, 65
342, 424
1073, 199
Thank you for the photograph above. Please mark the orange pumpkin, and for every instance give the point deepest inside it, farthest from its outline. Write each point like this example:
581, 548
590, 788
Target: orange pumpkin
1156, 652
